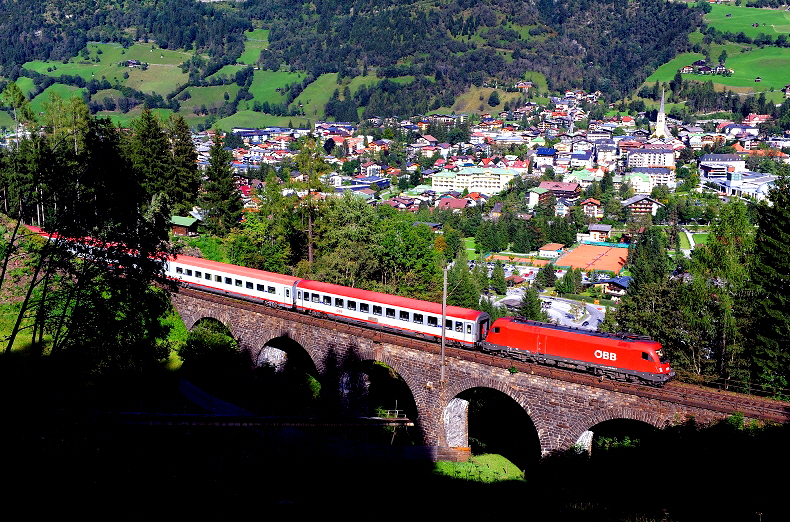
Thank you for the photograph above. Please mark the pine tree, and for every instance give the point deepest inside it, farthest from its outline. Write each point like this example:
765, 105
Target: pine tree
220, 200
530, 306
149, 153
498, 282
185, 177
771, 357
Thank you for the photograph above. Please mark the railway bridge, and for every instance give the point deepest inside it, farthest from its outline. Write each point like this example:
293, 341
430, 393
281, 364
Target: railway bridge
562, 405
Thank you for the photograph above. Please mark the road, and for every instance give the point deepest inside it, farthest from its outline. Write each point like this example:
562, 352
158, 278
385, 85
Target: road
560, 310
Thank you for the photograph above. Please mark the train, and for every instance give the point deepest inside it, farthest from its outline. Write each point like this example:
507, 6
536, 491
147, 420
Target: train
622, 357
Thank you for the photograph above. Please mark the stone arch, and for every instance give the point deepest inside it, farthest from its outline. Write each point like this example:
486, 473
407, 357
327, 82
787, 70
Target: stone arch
587, 420
419, 389
501, 385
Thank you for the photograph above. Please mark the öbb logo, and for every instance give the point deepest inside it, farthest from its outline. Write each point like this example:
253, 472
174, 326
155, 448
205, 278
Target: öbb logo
600, 354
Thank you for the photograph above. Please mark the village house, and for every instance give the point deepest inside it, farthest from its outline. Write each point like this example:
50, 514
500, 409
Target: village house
592, 208
569, 191
641, 204
551, 250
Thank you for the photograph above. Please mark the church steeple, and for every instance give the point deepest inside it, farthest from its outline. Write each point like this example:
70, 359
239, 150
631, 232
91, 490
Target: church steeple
661, 131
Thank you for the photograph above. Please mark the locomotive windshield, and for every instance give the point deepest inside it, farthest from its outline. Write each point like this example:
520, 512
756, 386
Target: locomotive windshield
661, 357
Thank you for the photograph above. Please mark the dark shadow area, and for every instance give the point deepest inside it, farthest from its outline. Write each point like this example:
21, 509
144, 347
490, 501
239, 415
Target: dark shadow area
290, 387
621, 433
214, 362
498, 424
386, 394
62, 453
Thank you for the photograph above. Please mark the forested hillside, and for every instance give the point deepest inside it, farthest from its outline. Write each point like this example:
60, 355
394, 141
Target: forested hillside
59, 29
446, 46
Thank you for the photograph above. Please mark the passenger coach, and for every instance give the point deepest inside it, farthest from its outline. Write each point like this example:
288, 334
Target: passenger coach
247, 283
411, 315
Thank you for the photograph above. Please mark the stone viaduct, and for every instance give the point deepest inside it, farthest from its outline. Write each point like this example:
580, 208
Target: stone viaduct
561, 411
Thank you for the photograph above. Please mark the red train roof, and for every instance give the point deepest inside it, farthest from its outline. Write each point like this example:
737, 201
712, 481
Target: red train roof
252, 273
393, 300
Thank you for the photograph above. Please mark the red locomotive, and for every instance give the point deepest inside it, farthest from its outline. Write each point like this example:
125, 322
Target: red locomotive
617, 356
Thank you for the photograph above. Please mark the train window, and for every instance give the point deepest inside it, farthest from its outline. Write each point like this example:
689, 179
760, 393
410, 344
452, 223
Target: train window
338, 302
352, 305
228, 281
459, 326
179, 270
238, 282
218, 279
316, 298
188, 272
271, 290
496, 329
448, 324
287, 292
433, 321
198, 274
249, 284
365, 308
208, 276
376, 310
418, 318
260, 288
403, 315
298, 295
646, 356
327, 300
391, 313
468, 328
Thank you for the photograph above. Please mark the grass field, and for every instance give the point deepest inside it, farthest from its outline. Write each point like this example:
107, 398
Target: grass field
666, 72
771, 21
126, 119
315, 95
228, 70
6, 120
258, 119
359, 81
265, 84
769, 63
65, 91
469, 245
257, 40
683, 240
208, 96
470, 101
700, 239
162, 76
25, 84
480, 468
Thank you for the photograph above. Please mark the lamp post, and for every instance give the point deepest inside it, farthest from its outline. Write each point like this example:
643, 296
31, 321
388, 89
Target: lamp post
444, 317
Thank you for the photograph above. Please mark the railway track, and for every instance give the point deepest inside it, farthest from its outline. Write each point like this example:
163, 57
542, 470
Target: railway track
679, 393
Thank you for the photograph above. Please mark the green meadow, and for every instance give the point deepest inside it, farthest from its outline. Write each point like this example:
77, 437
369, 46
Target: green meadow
208, 96
227, 70
769, 63
257, 40
742, 19
666, 72
251, 119
65, 91
265, 84
315, 95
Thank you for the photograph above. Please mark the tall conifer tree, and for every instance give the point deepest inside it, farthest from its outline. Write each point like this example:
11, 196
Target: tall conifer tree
220, 199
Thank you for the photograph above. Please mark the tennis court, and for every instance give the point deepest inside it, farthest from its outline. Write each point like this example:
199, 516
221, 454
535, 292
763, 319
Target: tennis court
592, 257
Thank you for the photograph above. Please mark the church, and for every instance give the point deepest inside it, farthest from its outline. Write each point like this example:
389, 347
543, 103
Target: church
661, 131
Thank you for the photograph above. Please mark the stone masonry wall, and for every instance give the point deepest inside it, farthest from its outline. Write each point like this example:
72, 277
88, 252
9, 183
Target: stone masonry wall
561, 411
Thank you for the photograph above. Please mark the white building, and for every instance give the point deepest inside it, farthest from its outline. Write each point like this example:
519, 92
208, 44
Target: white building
473, 179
